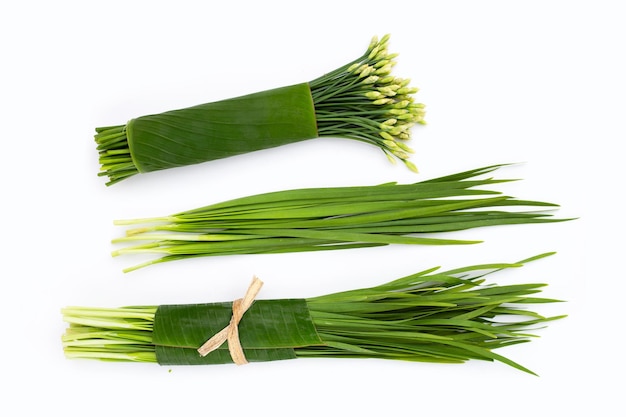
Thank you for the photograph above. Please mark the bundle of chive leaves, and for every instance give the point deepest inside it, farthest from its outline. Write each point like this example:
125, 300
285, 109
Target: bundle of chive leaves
429, 316
317, 219
360, 100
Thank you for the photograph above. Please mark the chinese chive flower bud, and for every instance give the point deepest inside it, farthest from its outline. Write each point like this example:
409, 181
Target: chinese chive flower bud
372, 79
391, 102
374, 95
381, 63
384, 70
374, 52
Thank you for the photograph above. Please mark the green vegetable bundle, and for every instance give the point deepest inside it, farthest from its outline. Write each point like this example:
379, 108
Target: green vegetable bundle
330, 218
430, 316
360, 100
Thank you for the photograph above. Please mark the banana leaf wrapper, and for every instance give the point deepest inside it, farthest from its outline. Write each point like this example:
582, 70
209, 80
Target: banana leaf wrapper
222, 129
268, 331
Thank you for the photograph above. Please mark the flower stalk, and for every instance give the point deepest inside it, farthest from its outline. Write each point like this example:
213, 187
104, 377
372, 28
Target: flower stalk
363, 101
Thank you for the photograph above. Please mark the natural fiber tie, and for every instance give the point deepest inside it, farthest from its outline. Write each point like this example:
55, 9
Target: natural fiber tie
231, 332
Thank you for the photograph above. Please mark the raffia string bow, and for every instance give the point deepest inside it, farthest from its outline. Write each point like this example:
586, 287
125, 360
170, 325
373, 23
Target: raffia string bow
231, 332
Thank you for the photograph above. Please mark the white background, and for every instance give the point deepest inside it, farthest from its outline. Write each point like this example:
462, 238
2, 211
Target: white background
539, 83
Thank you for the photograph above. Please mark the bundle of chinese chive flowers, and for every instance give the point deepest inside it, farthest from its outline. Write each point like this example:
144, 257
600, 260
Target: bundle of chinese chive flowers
360, 100
430, 316
317, 219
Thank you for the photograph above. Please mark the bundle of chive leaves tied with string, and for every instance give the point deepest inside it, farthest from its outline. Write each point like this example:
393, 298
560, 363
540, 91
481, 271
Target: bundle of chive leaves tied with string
316, 219
429, 316
360, 100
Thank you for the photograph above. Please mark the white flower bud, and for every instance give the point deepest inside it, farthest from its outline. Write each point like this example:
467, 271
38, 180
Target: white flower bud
401, 104
401, 154
372, 79
381, 63
404, 147
387, 91
366, 71
386, 135
410, 165
390, 144
408, 90
374, 52
390, 157
384, 70
353, 67
406, 115
374, 95
361, 68
397, 130
373, 43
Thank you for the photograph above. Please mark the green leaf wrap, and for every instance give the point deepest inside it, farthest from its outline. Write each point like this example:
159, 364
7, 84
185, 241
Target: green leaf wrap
269, 330
221, 129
